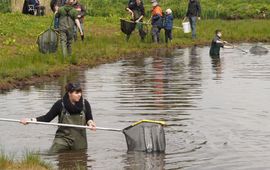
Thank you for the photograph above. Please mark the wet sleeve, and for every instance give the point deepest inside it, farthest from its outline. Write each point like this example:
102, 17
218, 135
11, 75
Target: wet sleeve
88, 111
54, 111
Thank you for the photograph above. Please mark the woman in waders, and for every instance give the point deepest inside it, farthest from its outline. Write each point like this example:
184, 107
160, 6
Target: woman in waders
71, 109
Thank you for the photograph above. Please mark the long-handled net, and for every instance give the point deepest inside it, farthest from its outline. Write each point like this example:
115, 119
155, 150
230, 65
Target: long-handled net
144, 135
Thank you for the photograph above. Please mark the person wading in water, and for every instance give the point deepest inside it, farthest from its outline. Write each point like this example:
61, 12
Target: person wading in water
71, 109
216, 44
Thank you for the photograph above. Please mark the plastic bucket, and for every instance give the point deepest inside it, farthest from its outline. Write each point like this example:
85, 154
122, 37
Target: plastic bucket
186, 27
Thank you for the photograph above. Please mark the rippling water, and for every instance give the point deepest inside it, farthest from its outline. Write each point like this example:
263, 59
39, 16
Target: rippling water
216, 111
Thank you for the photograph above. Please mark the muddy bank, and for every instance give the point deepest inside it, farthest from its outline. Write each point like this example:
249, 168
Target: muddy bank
34, 80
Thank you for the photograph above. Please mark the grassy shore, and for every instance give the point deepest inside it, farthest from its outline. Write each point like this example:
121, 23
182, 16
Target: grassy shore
20, 61
30, 161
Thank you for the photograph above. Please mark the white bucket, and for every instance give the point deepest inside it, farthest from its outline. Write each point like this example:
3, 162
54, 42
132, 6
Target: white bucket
186, 27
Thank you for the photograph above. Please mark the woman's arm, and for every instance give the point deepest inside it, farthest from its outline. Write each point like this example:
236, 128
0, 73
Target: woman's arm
54, 111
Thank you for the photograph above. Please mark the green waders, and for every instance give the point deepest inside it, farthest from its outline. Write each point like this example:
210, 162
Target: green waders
67, 16
139, 25
68, 138
66, 40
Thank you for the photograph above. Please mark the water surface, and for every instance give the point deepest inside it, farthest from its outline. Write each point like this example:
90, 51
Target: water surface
216, 111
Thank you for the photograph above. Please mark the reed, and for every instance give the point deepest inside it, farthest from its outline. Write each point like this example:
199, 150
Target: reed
30, 160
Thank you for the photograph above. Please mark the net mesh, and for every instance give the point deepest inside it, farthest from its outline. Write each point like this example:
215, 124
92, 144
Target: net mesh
48, 41
145, 136
127, 26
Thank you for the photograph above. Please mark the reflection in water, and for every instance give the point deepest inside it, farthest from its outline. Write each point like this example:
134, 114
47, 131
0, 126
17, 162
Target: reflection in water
72, 160
144, 161
217, 67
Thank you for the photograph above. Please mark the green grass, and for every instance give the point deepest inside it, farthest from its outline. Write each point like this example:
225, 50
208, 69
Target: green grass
211, 9
30, 161
104, 42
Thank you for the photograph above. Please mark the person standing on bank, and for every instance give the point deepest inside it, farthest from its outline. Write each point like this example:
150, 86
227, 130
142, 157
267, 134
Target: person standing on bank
168, 25
68, 17
82, 11
55, 5
217, 43
193, 13
71, 109
137, 12
157, 21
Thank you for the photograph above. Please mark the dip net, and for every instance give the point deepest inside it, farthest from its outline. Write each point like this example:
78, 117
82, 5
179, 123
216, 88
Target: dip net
48, 41
127, 27
146, 135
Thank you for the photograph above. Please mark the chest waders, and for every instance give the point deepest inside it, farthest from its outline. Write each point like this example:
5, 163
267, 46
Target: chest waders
68, 138
142, 32
66, 32
215, 49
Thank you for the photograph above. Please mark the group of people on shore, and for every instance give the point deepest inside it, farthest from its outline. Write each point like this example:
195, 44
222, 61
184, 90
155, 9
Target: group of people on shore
165, 21
69, 18
160, 20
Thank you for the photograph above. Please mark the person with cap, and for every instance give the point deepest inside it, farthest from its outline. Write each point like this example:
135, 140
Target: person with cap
193, 13
137, 12
68, 17
168, 25
157, 21
71, 109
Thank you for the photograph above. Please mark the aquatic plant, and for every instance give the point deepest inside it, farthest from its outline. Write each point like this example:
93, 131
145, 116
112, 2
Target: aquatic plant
31, 160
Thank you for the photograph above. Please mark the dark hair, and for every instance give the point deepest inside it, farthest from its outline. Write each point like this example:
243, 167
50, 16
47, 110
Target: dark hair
217, 31
71, 87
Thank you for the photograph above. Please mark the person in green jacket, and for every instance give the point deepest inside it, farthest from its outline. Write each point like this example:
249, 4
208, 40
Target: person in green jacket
68, 17
218, 43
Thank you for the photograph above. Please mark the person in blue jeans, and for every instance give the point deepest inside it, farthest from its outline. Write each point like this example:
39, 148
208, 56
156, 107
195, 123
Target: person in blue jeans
193, 13
168, 25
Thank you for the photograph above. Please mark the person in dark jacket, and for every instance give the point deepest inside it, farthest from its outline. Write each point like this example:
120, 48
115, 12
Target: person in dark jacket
137, 12
218, 43
30, 7
55, 5
71, 109
157, 21
193, 13
81, 13
168, 25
